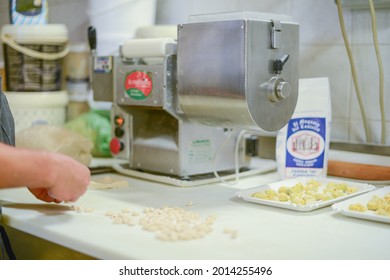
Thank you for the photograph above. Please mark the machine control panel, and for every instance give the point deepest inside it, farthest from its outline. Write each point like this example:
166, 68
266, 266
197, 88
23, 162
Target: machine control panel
119, 144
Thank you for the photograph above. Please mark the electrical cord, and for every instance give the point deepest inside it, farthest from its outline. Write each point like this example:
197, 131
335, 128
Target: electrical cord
353, 70
380, 66
236, 155
217, 153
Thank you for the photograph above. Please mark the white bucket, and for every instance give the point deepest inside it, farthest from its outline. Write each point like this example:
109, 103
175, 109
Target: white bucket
33, 56
29, 109
117, 21
77, 62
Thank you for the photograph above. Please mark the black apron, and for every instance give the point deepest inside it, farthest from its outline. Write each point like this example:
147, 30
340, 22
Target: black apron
7, 136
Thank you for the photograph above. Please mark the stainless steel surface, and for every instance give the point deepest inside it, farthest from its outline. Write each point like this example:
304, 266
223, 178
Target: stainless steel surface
163, 76
158, 142
156, 138
225, 72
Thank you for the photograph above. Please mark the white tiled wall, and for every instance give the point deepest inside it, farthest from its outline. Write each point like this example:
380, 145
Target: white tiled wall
322, 51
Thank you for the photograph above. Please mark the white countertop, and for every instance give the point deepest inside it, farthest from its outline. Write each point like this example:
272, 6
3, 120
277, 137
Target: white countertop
264, 232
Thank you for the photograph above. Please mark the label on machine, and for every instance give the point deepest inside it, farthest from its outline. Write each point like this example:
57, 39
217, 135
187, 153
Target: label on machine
139, 84
103, 64
200, 152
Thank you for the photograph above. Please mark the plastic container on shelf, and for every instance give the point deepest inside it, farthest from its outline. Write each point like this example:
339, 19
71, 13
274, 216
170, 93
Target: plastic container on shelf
78, 91
29, 109
34, 55
77, 62
29, 12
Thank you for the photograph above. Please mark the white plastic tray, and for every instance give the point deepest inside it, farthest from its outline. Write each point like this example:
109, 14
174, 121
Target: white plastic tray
343, 207
246, 194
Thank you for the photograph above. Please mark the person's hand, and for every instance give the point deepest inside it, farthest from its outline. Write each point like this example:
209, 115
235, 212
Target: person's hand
42, 194
67, 180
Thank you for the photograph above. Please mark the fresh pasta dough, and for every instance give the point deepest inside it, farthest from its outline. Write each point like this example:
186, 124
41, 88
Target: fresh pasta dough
379, 205
302, 194
357, 207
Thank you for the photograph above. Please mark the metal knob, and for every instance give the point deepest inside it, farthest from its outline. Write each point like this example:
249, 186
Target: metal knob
278, 89
283, 90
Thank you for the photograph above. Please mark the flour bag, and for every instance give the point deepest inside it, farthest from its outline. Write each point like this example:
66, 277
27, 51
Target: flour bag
302, 146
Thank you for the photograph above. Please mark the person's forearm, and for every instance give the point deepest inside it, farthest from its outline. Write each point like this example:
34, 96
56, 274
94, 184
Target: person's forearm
21, 167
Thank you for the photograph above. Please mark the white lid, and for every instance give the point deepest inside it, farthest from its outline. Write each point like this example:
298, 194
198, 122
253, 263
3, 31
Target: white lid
46, 33
157, 31
31, 100
242, 15
79, 48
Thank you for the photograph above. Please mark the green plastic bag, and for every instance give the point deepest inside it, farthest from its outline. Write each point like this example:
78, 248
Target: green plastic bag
94, 125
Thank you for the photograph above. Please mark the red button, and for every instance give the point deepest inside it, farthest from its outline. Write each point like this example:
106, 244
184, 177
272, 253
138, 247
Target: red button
116, 146
119, 121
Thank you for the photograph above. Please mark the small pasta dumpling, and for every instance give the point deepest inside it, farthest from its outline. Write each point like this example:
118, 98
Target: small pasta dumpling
338, 193
386, 207
358, 207
386, 198
283, 197
275, 198
297, 188
297, 200
327, 196
375, 203
331, 186
314, 183
381, 212
260, 195
271, 193
283, 189
309, 198
317, 196
351, 190
342, 187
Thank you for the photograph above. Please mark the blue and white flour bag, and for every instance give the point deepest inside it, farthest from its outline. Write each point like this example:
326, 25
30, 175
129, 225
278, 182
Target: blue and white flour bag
302, 146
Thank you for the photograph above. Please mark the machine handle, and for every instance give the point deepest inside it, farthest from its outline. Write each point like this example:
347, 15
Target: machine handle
92, 37
279, 63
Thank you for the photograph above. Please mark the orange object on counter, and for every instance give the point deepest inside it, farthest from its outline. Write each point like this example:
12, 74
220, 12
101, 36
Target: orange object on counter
358, 171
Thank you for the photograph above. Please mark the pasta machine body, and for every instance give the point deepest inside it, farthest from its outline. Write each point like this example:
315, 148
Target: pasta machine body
179, 106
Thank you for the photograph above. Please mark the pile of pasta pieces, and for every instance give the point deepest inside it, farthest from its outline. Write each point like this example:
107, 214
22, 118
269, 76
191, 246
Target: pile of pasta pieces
303, 193
168, 223
380, 205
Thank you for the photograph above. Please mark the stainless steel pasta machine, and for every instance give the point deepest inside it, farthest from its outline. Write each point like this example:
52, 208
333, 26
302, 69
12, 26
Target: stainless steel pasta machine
180, 105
